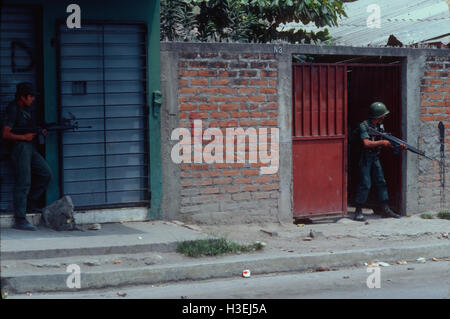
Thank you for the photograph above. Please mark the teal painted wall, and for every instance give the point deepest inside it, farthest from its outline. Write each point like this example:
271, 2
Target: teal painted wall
146, 11
154, 84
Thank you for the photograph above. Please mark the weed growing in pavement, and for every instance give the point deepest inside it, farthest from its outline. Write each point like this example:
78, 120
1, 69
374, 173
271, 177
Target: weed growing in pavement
427, 216
444, 214
213, 247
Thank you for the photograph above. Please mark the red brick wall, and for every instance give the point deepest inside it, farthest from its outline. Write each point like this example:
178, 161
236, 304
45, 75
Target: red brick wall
434, 107
228, 90
235, 88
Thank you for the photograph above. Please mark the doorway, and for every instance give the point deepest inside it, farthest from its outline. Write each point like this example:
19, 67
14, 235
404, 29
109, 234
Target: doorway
369, 83
329, 100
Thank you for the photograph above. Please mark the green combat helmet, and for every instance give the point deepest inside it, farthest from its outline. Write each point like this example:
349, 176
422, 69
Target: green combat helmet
377, 110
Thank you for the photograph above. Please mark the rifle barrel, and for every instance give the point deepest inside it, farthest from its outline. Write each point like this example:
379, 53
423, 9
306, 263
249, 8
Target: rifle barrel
398, 141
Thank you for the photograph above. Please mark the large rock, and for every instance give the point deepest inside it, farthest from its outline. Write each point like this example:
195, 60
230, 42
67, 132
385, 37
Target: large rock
59, 215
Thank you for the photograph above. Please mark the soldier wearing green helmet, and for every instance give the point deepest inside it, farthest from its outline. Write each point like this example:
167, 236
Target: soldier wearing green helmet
377, 110
369, 166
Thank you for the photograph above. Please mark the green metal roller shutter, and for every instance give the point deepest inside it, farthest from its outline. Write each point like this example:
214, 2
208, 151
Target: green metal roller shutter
103, 84
19, 62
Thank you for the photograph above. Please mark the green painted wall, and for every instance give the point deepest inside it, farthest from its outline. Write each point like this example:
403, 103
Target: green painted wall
154, 84
54, 11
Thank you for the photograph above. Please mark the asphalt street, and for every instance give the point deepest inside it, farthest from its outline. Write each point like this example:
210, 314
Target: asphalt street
411, 281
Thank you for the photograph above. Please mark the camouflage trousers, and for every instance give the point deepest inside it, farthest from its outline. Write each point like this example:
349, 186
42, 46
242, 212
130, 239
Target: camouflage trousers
32, 176
370, 172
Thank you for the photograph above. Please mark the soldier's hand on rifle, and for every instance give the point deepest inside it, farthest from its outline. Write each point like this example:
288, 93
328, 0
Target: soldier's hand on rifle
29, 137
403, 147
44, 132
386, 143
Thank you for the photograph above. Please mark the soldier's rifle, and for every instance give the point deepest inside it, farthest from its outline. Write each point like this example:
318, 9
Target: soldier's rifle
396, 142
67, 124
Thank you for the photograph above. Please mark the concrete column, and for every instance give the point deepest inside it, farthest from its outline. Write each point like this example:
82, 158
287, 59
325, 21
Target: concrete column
171, 188
285, 126
411, 125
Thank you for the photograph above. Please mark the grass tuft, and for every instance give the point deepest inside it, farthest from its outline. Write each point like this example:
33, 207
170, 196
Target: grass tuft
426, 216
213, 247
444, 214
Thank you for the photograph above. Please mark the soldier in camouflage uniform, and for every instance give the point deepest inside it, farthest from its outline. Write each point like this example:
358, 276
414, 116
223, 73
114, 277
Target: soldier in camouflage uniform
25, 159
370, 170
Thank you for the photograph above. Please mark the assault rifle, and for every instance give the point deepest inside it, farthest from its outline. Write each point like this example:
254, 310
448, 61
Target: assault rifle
396, 142
67, 124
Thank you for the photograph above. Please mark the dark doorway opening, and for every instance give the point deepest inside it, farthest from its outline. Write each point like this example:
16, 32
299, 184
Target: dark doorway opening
368, 83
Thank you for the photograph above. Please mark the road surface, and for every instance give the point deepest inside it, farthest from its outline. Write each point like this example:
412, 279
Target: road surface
410, 281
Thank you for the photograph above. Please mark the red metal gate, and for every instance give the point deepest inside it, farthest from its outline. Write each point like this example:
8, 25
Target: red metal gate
319, 142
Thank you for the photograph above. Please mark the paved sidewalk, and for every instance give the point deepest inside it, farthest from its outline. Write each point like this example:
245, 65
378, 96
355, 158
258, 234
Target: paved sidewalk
114, 238
144, 252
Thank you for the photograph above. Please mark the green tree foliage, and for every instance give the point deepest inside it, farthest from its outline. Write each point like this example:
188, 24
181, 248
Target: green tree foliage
246, 20
177, 20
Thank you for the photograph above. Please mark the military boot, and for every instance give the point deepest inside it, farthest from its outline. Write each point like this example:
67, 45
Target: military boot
33, 207
359, 215
388, 212
22, 224
378, 211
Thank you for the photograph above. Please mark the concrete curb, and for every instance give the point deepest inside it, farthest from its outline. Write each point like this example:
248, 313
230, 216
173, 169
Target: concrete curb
230, 267
89, 251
